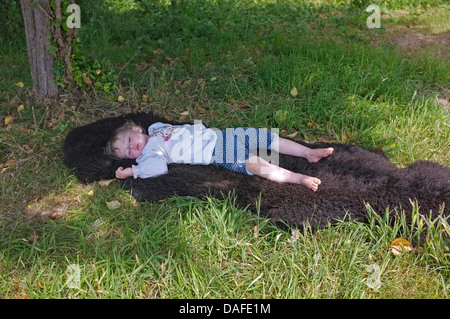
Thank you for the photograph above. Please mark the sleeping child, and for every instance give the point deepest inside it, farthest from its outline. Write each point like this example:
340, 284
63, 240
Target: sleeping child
195, 144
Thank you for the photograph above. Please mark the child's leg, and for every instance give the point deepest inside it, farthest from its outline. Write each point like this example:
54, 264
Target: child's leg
258, 166
288, 147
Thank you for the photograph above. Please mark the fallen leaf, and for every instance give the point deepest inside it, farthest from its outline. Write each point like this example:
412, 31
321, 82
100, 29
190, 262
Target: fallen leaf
183, 116
87, 81
325, 139
240, 105
346, 137
21, 107
114, 204
399, 245
9, 120
292, 135
105, 182
15, 101
56, 215
214, 115
144, 98
294, 92
40, 285
27, 148
19, 84
8, 163
120, 98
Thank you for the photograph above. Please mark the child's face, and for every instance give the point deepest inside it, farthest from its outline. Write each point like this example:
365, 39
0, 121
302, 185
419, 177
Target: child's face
130, 143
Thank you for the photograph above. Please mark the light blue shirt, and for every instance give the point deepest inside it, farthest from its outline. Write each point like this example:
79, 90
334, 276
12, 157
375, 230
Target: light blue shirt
181, 144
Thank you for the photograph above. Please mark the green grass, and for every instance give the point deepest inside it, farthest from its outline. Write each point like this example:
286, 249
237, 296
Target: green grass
229, 64
209, 249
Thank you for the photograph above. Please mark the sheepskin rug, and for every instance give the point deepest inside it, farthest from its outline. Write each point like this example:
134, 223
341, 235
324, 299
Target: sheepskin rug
351, 178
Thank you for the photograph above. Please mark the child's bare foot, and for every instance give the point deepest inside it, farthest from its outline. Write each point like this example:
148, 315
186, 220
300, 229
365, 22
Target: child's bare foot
310, 182
315, 154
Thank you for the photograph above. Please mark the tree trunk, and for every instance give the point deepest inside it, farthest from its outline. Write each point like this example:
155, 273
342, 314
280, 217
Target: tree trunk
37, 30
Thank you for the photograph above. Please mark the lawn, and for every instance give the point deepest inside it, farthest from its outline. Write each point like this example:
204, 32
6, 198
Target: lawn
313, 69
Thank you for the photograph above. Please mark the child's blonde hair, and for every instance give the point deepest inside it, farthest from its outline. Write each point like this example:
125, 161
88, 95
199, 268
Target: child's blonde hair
110, 150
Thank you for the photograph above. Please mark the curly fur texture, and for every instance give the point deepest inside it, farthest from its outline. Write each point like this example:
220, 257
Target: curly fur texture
351, 177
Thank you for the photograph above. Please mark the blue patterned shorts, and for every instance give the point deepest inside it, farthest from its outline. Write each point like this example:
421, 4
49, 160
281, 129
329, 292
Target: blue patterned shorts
233, 146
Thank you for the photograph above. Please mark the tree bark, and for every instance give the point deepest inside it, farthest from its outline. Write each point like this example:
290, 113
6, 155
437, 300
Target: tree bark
64, 43
37, 30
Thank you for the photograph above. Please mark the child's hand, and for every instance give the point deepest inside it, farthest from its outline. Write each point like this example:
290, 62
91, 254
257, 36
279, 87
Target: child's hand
123, 173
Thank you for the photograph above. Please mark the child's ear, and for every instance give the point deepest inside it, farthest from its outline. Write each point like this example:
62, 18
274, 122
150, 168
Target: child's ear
136, 129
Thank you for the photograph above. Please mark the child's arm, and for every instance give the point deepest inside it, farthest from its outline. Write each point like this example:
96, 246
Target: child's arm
123, 173
147, 169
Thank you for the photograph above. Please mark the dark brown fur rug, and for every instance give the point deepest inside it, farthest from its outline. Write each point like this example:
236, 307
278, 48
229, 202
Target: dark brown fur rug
351, 178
